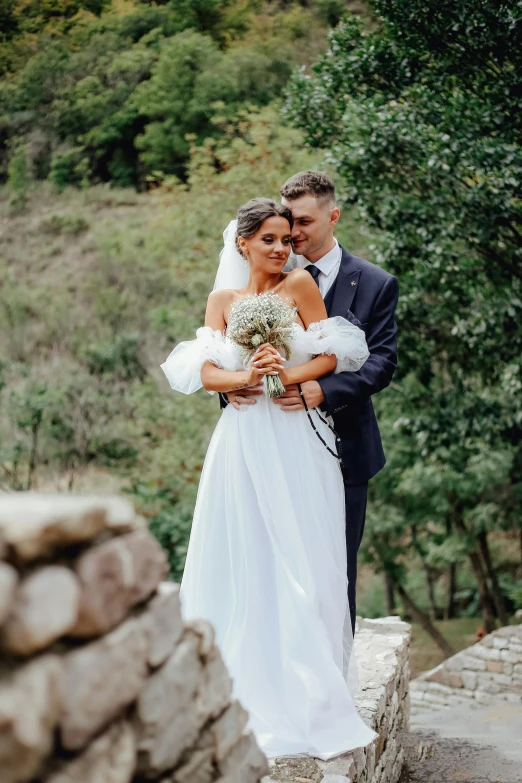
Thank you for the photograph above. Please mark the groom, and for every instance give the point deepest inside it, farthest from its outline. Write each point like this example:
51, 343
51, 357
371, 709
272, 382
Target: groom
366, 295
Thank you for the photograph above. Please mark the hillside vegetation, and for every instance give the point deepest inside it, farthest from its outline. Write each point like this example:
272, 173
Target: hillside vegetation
95, 91
97, 287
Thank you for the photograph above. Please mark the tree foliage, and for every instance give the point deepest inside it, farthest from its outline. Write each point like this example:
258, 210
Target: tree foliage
421, 118
101, 94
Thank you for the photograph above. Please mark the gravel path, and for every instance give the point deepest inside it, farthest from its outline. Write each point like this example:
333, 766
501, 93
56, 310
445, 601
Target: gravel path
466, 744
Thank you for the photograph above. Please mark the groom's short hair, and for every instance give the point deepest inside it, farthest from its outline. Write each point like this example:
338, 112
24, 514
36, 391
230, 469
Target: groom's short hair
310, 183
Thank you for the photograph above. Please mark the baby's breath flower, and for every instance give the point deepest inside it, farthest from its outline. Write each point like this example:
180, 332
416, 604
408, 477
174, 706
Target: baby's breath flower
258, 319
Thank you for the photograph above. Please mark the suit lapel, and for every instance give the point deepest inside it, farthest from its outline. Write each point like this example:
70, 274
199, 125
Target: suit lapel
340, 296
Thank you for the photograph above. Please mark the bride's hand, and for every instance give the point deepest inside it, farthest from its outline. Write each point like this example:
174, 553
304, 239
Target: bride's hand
266, 361
268, 358
254, 376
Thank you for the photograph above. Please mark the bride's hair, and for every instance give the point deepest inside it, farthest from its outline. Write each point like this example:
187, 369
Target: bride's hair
252, 215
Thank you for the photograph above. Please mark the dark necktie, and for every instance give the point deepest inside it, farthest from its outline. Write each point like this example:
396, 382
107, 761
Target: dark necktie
314, 271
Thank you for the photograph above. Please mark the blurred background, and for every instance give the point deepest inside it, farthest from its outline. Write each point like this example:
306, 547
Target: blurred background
131, 131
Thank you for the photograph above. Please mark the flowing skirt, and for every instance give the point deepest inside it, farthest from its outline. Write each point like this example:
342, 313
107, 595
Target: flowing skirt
266, 565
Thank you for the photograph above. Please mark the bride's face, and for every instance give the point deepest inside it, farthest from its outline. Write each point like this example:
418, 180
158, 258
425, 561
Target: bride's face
268, 249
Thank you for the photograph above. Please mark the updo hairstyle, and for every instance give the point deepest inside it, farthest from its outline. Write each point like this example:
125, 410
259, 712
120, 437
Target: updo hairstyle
252, 215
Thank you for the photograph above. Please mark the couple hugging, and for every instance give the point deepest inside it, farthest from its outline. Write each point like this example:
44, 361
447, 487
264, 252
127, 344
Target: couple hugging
298, 335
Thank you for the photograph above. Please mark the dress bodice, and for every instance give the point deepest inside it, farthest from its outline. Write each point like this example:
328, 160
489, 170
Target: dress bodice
330, 336
300, 350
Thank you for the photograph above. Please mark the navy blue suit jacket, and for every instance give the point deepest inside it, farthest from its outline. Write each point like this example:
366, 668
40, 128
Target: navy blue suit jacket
366, 295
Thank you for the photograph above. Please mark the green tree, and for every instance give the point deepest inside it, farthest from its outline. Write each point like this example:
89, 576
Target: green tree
421, 118
107, 94
167, 99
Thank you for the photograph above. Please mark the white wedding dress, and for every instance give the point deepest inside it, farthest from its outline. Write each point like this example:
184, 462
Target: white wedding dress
266, 562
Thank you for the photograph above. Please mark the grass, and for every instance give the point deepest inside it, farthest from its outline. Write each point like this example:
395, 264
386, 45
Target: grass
460, 633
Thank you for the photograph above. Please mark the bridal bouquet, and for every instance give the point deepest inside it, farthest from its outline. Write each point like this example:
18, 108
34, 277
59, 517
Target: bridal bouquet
258, 319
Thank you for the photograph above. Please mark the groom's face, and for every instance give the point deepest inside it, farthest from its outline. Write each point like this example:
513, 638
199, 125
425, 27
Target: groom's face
314, 222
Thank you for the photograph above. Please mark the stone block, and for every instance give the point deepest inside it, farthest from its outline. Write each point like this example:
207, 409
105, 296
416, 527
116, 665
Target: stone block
166, 719
342, 765
481, 697
199, 769
500, 643
102, 679
163, 623
509, 656
455, 663
465, 693
30, 707
454, 680
370, 760
435, 699
114, 577
385, 625
8, 581
205, 633
435, 687
245, 763
406, 713
215, 690
436, 675
501, 679
402, 688
474, 664
508, 631
495, 666
486, 653
227, 730
111, 758
45, 607
36, 524
469, 680
489, 687
381, 741
359, 759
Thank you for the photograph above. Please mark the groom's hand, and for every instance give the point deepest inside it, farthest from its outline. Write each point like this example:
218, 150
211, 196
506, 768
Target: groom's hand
291, 399
244, 397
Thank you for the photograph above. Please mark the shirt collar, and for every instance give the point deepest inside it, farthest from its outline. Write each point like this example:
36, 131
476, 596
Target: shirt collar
327, 263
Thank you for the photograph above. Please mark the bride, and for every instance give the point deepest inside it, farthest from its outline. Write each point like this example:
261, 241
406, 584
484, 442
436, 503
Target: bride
266, 562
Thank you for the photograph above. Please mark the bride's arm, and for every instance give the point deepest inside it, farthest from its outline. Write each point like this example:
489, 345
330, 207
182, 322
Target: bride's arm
214, 378
305, 293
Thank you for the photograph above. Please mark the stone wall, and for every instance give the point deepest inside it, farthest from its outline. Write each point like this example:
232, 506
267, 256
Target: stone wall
100, 679
490, 668
382, 653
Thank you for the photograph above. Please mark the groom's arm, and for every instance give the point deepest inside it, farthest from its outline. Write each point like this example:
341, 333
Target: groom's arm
352, 389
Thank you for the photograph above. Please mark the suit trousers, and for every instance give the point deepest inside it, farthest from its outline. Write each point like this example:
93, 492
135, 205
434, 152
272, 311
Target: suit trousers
355, 497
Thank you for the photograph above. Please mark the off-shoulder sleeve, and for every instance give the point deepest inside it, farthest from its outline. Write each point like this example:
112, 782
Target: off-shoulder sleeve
338, 336
183, 366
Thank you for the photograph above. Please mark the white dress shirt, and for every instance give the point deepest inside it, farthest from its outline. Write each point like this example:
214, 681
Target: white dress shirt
328, 267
